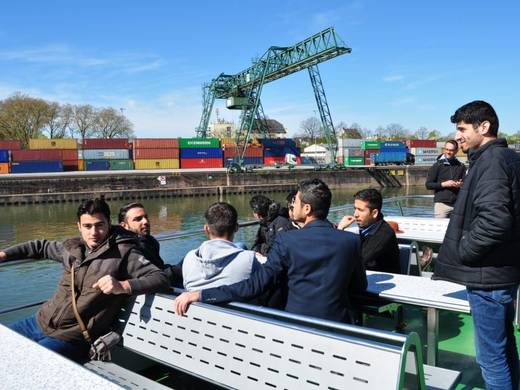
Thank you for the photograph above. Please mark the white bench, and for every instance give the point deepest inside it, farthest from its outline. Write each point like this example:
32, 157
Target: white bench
245, 346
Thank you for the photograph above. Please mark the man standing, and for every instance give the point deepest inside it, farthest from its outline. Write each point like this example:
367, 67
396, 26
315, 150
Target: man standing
104, 267
133, 217
322, 264
379, 248
445, 179
482, 242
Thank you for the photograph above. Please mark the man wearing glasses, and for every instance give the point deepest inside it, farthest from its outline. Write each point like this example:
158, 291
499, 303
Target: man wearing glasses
445, 178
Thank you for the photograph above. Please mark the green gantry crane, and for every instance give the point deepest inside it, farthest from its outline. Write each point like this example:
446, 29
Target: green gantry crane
243, 89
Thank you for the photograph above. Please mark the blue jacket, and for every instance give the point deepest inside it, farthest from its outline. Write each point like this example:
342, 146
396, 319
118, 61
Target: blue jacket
322, 265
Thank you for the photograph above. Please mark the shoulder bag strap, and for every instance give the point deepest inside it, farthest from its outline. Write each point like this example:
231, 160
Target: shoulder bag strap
84, 330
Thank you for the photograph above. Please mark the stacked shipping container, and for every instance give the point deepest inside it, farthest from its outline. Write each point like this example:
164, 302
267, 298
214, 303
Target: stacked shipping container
276, 149
200, 153
424, 150
6, 147
103, 154
390, 152
156, 153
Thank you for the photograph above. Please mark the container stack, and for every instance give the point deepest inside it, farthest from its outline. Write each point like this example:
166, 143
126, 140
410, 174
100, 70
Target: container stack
347, 148
253, 155
200, 153
104, 154
156, 153
6, 147
390, 152
276, 149
424, 150
370, 149
66, 150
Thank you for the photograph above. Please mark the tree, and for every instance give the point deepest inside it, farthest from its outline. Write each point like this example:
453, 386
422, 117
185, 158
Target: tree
23, 117
346, 131
83, 119
311, 128
59, 120
396, 131
421, 133
109, 123
434, 134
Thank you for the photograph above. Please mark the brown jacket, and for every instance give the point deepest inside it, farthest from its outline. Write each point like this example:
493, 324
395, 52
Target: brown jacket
118, 256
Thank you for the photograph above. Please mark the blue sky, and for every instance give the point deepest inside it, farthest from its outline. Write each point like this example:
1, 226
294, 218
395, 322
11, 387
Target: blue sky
412, 62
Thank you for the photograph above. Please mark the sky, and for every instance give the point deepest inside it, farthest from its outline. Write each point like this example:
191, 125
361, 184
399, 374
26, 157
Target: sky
412, 62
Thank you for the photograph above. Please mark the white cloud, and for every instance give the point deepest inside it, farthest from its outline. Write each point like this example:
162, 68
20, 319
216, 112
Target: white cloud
393, 78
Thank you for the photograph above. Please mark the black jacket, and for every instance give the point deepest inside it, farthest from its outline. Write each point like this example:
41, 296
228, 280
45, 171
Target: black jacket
151, 248
441, 171
379, 248
482, 244
276, 222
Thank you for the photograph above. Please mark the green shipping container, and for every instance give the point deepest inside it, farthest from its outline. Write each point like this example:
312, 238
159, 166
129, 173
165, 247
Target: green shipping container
370, 144
348, 161
185, 143
121, 165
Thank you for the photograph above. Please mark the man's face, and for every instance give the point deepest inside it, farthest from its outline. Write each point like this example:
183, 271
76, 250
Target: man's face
93, 229
363, 215
469, 137
300, 210
137, 221
450, 150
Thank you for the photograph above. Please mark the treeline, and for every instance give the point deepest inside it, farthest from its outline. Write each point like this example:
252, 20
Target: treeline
23, 117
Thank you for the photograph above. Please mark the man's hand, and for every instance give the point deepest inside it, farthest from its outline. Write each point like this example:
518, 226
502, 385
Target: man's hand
3, 256
110, 285
345, 222
452, 184
184, 300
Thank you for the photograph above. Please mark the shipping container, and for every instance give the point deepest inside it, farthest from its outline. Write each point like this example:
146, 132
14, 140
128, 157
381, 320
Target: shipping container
121, 165
55, 143
201, 153
188, 163
281, 152
396, 149
156, 143
425, 151
70, 165
228, 141
34, 155
186, 143
389, 158
350, 152
349, 143
36, 166
421, 143
4, 156
171, 163
154, 154
81, 165
106, 154
274, 160
350, 161
370, 152
69, 154
247, 161
369, 161
277, 142
392, 144
440, 144
425, 160
232, 151
4, 168
10, 144
105, 143
365, 144
97, 165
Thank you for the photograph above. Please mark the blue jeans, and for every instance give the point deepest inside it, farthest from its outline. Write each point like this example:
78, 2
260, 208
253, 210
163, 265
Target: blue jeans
493, 313
29, 328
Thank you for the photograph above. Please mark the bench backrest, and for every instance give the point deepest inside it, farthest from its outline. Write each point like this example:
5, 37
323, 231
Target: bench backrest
239, 349
408, 254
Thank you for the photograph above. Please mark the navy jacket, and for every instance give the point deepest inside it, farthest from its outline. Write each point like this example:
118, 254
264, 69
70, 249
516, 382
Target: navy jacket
379, 248
323, 268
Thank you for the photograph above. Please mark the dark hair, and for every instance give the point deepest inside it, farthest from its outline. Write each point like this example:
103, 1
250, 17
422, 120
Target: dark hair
454, 143
121, 217
222, 219
260, 205
475, 113
317, 194
372, 196
290, 197
94, 206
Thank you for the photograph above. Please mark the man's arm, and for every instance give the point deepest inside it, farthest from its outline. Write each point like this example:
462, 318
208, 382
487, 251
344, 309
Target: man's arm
144, 277
431, 178
37, 249
358, 282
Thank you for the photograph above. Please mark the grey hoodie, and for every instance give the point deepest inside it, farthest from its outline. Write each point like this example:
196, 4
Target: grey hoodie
216, 263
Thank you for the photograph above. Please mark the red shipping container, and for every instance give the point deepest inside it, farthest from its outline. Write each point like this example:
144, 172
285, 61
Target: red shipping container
274, 160
202, 163
105, 143
40, 154
10, 144
231, 151
421, 143
69, 154
71, 165
368, 161
369, 152
156, 143
152, 154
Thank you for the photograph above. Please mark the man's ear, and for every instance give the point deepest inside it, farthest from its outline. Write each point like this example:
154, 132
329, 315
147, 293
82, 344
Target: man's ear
123, 225
206, 229
484, 128
236, 228
79, 226
375, 213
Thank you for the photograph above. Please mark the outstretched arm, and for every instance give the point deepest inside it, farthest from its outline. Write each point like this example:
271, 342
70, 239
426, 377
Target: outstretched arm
37, 249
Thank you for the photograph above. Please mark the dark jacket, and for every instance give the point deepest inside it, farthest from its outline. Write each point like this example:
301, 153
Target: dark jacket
441, 171
277, 221
151, 248
118, 257
323, 267
379, 248
482, 243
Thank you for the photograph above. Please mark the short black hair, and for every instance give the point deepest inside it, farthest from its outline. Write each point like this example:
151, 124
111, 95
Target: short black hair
290, 197
372, 196
222, 219
317, 194
260, 205
475, 113
121, 217
94, 206
454, 143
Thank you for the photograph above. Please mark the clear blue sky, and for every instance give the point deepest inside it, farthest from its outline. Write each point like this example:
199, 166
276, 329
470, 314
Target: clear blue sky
412, 62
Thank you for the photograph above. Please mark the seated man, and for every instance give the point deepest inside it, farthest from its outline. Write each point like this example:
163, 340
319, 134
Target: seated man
103, 265
322, 264
379, 248
133, 217
218, 261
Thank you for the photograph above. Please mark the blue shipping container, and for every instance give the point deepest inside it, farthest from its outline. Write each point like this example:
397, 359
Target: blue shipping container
247, 161
389, 157
98, 165
277, 142
4, 155
201, 153
281, 152
392, 149
392, 144
39, 166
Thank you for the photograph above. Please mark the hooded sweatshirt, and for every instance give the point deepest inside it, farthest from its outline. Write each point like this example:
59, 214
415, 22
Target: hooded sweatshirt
215, 263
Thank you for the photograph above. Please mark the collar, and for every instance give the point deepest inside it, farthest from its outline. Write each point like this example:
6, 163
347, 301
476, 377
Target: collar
371, 229
318, 223
474, 154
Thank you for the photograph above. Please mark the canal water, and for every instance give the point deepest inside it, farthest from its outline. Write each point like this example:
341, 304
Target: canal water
34, 281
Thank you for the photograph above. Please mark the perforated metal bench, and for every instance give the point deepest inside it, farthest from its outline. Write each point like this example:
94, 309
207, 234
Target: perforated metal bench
235, 347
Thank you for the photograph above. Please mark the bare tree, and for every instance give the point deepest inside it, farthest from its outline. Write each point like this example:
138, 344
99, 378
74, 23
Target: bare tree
395, 131
421, 132
83, 120
110, 123
346, 131
311, 128
59, 120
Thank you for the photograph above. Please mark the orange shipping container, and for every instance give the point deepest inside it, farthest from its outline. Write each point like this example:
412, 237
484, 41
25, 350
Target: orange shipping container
153, 154
4, 168
156, 143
